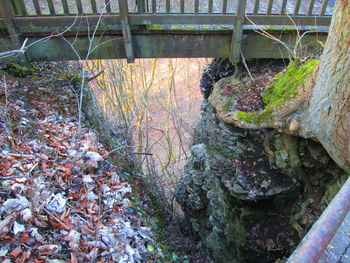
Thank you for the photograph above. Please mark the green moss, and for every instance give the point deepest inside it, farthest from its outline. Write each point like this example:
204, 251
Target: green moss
256, 117
184, 27
155, 27
235, 232
286, 85
281, 90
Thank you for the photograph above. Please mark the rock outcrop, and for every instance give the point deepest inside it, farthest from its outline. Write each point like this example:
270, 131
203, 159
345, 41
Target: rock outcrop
243, 192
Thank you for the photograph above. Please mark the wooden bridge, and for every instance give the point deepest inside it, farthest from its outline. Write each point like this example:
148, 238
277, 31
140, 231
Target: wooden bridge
105, 29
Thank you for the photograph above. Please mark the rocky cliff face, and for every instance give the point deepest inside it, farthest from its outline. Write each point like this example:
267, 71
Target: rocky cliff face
243, 192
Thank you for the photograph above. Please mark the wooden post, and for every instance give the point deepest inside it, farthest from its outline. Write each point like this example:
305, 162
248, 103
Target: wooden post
235, 52
128, 44
7, 13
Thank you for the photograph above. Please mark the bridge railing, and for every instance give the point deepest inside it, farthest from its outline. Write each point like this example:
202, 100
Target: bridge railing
304, 8
40, 17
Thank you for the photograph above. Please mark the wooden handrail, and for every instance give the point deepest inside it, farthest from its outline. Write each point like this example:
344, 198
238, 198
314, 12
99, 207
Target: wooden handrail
21, 8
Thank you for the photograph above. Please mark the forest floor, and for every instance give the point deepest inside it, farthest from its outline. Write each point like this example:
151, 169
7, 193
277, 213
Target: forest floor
62, 198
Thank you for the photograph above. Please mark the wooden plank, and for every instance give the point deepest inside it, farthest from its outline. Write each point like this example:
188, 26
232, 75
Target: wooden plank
235, 51
154, 6
311, 7
108, 6
196, 6
65, 7
224, 7
297, 7
256, 7
269, 7
283, 7
37, 7
323, 8
7, 13
167, 6
210, 7
182, 6
94, 7
128, 43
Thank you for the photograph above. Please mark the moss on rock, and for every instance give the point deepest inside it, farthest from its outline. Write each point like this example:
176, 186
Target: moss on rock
285, 87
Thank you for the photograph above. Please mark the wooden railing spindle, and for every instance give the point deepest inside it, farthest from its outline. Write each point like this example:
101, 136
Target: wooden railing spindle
154, 6
167, 6
283, 7
65, 7
7, 12
269, 7
128, 43
108, 6
79, 6
311, 7
51, 7
196, 6
297, 8
37, 7
210, 7
94, 7
323, 8
235, 51
23, 8
224, 7
256, 7
182, 6
19, 8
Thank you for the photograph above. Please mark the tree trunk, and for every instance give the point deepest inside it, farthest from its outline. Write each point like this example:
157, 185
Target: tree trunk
328, 115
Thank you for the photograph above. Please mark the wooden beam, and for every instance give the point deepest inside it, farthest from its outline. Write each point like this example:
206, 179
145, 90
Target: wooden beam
65, 7
128, 43
235, 51
52, 23
166, 45
7, 13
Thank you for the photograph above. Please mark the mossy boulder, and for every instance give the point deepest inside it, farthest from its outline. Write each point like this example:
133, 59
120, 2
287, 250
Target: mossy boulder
241, 188
277, 97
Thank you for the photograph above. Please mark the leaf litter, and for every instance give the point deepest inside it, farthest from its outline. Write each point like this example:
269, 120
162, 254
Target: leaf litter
60, 201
